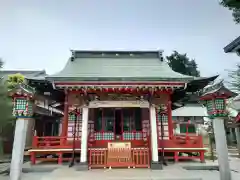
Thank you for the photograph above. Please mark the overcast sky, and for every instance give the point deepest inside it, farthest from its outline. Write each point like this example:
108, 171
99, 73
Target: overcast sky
38, 34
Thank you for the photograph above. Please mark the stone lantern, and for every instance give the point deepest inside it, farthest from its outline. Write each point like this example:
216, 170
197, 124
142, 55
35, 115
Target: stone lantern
214, 99
23, 106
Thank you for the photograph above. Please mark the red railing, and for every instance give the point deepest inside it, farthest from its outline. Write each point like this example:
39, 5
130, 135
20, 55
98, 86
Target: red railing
56, 146
48, 141
191, 144
140, 158
188, 139
97, 158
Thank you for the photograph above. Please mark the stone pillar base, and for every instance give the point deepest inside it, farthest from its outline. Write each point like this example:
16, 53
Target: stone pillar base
156, 165
82, 166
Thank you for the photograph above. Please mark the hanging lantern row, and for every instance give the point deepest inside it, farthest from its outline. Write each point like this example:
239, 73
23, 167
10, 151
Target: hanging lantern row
122, 89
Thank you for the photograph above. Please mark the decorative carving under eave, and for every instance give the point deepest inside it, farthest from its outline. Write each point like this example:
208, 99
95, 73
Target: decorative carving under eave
22, 90
121, 89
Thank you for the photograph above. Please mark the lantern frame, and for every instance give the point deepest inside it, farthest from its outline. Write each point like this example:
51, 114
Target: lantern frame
22, 99
216, 107
214, 99
22, 107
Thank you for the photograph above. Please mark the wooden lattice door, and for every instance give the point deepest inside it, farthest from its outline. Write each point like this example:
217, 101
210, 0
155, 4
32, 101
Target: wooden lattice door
162, 117
90, 131
71, 125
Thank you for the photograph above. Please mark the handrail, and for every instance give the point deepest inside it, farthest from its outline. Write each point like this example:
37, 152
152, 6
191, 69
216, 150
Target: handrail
183, 138
48, 141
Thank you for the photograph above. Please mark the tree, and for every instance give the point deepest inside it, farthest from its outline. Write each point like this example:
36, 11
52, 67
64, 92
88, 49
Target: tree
235, 78
1, 63
14, 79
234, 6
5, 109
182, 64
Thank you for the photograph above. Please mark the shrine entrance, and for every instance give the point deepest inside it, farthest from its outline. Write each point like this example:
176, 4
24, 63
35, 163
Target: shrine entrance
121, 137
118, 123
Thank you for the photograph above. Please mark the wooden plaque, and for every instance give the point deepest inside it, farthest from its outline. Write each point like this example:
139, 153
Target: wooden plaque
119, 145
119, 154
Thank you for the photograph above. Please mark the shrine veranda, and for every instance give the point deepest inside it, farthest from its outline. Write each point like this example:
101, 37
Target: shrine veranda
116, 111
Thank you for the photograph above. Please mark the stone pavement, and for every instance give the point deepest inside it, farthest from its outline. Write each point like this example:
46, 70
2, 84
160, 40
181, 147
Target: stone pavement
170, 172
27, 176
232, 151
135, 174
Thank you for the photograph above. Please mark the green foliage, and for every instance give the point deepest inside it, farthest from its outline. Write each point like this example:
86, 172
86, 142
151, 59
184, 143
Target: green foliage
234, 6
235, 78
1, 63
182, 64
5, 109
5, 103
14, 80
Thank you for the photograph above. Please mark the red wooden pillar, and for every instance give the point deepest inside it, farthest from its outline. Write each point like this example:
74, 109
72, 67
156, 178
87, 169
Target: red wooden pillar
65, 117
170, 122
114, 123
122, 123
103, 125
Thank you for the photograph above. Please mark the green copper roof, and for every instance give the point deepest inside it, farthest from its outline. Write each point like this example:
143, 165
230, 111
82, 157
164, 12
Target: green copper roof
117, 65
26, 73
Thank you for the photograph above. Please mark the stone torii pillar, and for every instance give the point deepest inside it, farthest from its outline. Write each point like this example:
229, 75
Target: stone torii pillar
155, 164
18, 148
237, 132
237, 129
84, 139
214, 98
23, 111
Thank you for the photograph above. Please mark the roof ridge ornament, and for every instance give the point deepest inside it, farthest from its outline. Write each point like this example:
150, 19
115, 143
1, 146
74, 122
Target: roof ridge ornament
213, 87
160, 55
73, 56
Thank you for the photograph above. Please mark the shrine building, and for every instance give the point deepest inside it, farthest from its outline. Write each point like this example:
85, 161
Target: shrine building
233, 47
117, 111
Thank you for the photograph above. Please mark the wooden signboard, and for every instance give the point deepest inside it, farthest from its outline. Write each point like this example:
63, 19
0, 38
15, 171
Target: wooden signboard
119, 154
